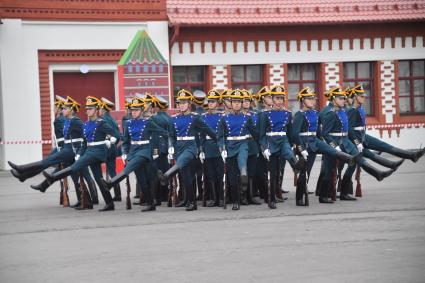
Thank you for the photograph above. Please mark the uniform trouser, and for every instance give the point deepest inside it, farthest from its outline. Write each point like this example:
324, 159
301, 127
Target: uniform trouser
215, 171
111, 167
351, 149
187, 177
161, 163
198, 180
233, 173
142, 178
95, 165
285, 153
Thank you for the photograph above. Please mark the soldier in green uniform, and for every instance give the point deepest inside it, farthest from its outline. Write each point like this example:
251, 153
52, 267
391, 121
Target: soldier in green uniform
111, 169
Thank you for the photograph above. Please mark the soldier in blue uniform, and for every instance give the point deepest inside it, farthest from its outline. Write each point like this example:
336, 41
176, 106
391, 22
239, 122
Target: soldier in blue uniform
156, 108
365, 142
250, 196
335, 133
234, 131
111, 167
304, 134
92, 152
137, 146
186, 126
275, 139
211, 153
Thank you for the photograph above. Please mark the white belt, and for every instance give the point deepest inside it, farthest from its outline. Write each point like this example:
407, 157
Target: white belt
140, 142
74, 140
96, 143
272, 134
344, 134
308, 134
360, 128
208, 138
60, 139
238, 138
185, 138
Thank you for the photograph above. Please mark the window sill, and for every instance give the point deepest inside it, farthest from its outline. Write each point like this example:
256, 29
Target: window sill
415, 118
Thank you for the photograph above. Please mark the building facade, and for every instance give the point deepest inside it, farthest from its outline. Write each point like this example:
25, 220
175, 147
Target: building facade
47, 47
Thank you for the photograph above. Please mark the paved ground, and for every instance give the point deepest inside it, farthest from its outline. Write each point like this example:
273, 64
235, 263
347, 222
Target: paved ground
380, 238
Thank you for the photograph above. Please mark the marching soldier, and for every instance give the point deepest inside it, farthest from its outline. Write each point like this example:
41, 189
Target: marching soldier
357, 132
225, 98
72, 132
157, 106
335, 133
211, 153
187, 125
92, 152
234, 131
249, 197
111, 169
304, 134
275, 134
137, 150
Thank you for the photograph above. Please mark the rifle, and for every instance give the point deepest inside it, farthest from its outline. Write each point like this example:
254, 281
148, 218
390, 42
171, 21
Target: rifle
128, 201
358, 186
268, 181
224, 182
334, 183
84, 192
204, 185
64, 193
307, 178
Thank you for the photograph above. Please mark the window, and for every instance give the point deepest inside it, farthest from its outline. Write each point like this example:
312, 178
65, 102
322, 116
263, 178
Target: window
161, 68
411, 81
130, 68
299, 77
137, 68
188, 77
361, 73
249, 77
145, 68
153, 68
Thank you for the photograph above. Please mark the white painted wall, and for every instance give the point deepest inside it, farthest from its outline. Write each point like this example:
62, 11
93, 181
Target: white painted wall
410, 138
293, 56
19, 44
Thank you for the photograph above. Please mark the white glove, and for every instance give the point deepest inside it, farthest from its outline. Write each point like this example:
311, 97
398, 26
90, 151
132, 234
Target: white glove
155, 156
77, 157
202, 157
224, 155
124, 157
360, 147
267, 154
171, 150
338, 148
304, 153
108, 143
170, 157
113, 140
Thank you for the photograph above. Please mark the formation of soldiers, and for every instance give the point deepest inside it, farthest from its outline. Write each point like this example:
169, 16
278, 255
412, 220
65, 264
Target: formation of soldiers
222, 147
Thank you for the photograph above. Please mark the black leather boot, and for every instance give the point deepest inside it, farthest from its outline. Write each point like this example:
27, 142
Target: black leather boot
78, 193
413, 155
52, 177
244, 189
117, 192
93, 191
349, 159
346, 189
34, 166
42, 187
192, 206
251, 198
386, 162
325, 186
236, 206
23, 176
214, 199
113, 181
375, 172
163, 177
108, 207
149, 207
